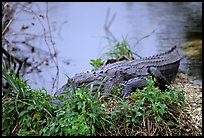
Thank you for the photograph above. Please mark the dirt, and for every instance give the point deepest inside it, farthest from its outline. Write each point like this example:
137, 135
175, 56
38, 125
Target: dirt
193, 99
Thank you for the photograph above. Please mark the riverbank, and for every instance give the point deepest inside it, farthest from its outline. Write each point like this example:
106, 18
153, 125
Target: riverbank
193, 99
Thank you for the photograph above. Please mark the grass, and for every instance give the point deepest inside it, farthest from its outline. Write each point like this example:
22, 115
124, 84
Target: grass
23, 108
146, 112
27, 111
96, 63
118, 50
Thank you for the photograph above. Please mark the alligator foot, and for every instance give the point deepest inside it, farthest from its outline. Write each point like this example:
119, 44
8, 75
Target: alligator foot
158, 75
161, 79
131, 84
142, 82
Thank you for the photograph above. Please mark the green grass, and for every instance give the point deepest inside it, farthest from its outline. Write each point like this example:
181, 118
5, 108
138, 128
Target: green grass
27, 111
24, 110
149, 111
96, 63
118, 50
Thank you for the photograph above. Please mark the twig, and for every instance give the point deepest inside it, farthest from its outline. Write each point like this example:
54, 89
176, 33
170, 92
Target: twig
107, 25
10, 21
138, 41
11, 56
106, 20
56, 79
14, 128
45, 37
112, 19
35, 67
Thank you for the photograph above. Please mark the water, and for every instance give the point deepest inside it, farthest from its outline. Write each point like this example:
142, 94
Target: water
80, 30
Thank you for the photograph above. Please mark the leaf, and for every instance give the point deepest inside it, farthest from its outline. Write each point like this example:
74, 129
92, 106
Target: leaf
89, 101
11, 109
170, 124
140, 102
96, 63
79, 105
37, 115
158, 118
92, 115
22, 113
138, 114
61, 113
154, 107
53, 126
93, 130
30, 107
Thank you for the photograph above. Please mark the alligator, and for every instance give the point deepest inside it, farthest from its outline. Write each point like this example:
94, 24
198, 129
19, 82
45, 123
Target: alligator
129, 74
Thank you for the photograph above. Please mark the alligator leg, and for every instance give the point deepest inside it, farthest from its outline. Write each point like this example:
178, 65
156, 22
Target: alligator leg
142, 82
131, 84
161, 79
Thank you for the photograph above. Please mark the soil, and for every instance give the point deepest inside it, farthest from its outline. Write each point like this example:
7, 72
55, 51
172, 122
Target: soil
193, 99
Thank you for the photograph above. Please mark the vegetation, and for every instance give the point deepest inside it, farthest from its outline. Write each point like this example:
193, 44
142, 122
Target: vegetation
27, 111
119, 49
96, 63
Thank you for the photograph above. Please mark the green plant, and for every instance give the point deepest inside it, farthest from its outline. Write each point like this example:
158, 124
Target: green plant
149, 103
24, 110
156, 102
96, 63
76, 115
119, 49
27, 111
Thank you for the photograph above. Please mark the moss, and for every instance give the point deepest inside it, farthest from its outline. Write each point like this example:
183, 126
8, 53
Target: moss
193, 49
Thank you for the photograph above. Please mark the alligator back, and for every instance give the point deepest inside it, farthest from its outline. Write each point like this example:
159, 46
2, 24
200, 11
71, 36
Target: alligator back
167, 62
113, 74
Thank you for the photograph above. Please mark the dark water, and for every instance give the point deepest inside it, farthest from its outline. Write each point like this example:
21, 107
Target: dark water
79, 32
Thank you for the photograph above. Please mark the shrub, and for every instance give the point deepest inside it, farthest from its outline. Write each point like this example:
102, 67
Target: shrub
27, 111
76, 115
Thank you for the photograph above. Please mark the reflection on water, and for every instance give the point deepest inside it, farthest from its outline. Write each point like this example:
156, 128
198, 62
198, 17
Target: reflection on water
80, 31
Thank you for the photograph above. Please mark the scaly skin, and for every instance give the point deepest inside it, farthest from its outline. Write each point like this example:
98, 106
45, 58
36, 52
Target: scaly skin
132, 74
